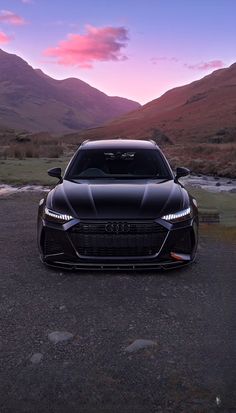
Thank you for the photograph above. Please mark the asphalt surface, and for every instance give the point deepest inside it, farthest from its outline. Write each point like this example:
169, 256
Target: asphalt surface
189, 314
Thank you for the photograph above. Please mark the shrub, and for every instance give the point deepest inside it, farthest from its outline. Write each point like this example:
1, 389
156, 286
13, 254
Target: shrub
30, 150
51, 151
16, 151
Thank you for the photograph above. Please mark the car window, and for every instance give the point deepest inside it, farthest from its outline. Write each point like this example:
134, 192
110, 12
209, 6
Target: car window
92, 163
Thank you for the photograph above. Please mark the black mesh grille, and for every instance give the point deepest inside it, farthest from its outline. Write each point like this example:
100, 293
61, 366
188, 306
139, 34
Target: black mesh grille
184, 243
51, 244
125, 239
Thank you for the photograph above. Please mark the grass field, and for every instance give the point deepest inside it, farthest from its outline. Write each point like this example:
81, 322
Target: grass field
29, 170
222, 202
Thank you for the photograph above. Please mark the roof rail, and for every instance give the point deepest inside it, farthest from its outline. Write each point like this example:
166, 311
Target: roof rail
83, 143
152, 141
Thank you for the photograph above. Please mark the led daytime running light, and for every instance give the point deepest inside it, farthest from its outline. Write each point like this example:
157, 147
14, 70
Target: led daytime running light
177, 215
57, 215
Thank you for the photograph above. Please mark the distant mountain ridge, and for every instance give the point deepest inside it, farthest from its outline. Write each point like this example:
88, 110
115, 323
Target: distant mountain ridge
195, 123
196, 112
32, 100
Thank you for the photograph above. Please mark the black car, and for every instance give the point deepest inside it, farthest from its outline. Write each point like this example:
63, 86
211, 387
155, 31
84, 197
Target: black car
118, 206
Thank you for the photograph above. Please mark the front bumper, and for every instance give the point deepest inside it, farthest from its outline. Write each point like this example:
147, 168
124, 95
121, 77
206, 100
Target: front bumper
58, 248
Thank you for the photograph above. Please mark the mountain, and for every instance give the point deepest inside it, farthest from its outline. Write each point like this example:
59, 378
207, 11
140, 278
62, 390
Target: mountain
31, 100
202, 111
195, 123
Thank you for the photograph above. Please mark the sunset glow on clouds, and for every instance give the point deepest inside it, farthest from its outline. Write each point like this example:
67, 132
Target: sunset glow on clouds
9, 17
213, 64
136, 49
97, 44
4, 38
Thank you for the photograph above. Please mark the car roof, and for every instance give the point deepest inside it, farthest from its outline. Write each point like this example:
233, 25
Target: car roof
119, 143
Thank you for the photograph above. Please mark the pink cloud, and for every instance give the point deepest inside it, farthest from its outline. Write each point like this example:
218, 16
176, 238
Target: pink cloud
97, 44
9, 17
4, 38
212, 64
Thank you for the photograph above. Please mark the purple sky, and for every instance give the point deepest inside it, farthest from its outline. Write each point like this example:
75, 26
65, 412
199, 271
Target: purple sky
132, 48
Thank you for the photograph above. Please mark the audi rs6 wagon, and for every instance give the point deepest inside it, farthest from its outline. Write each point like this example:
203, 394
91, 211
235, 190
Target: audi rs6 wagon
118, 206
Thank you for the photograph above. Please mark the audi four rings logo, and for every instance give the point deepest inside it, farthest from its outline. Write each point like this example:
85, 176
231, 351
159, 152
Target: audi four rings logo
117, 227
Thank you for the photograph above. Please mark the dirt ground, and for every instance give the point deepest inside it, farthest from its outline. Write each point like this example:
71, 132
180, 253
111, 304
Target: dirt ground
189, 315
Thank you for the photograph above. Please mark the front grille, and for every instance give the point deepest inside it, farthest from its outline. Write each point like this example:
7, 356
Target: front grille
135, 227
132, 239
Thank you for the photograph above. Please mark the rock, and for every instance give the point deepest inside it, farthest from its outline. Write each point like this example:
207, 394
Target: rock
62, 307
60, 337
218, 401
233, 191
139, 344
36, 358
163, 294
218, 184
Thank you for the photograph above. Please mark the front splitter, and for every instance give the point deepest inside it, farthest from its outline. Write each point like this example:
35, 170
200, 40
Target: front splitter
167, 265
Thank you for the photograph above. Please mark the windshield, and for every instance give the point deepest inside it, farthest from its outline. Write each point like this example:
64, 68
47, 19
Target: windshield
118, 163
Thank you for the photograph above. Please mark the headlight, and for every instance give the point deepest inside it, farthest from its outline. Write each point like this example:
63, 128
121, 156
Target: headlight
56, 216
178, 216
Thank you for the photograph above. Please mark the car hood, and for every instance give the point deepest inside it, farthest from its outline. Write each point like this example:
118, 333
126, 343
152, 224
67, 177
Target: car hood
119, 200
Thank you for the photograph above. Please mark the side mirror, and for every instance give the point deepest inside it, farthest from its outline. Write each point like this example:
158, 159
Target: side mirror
55, 172
181, 172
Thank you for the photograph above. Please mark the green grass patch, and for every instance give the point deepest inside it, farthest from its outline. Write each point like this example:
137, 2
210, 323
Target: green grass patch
222, 202
30, 170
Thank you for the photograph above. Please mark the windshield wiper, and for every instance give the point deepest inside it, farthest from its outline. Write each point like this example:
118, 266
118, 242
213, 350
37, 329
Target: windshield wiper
121, 177
86, 178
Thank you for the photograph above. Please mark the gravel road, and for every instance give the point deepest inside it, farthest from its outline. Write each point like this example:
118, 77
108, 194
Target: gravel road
113, 342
